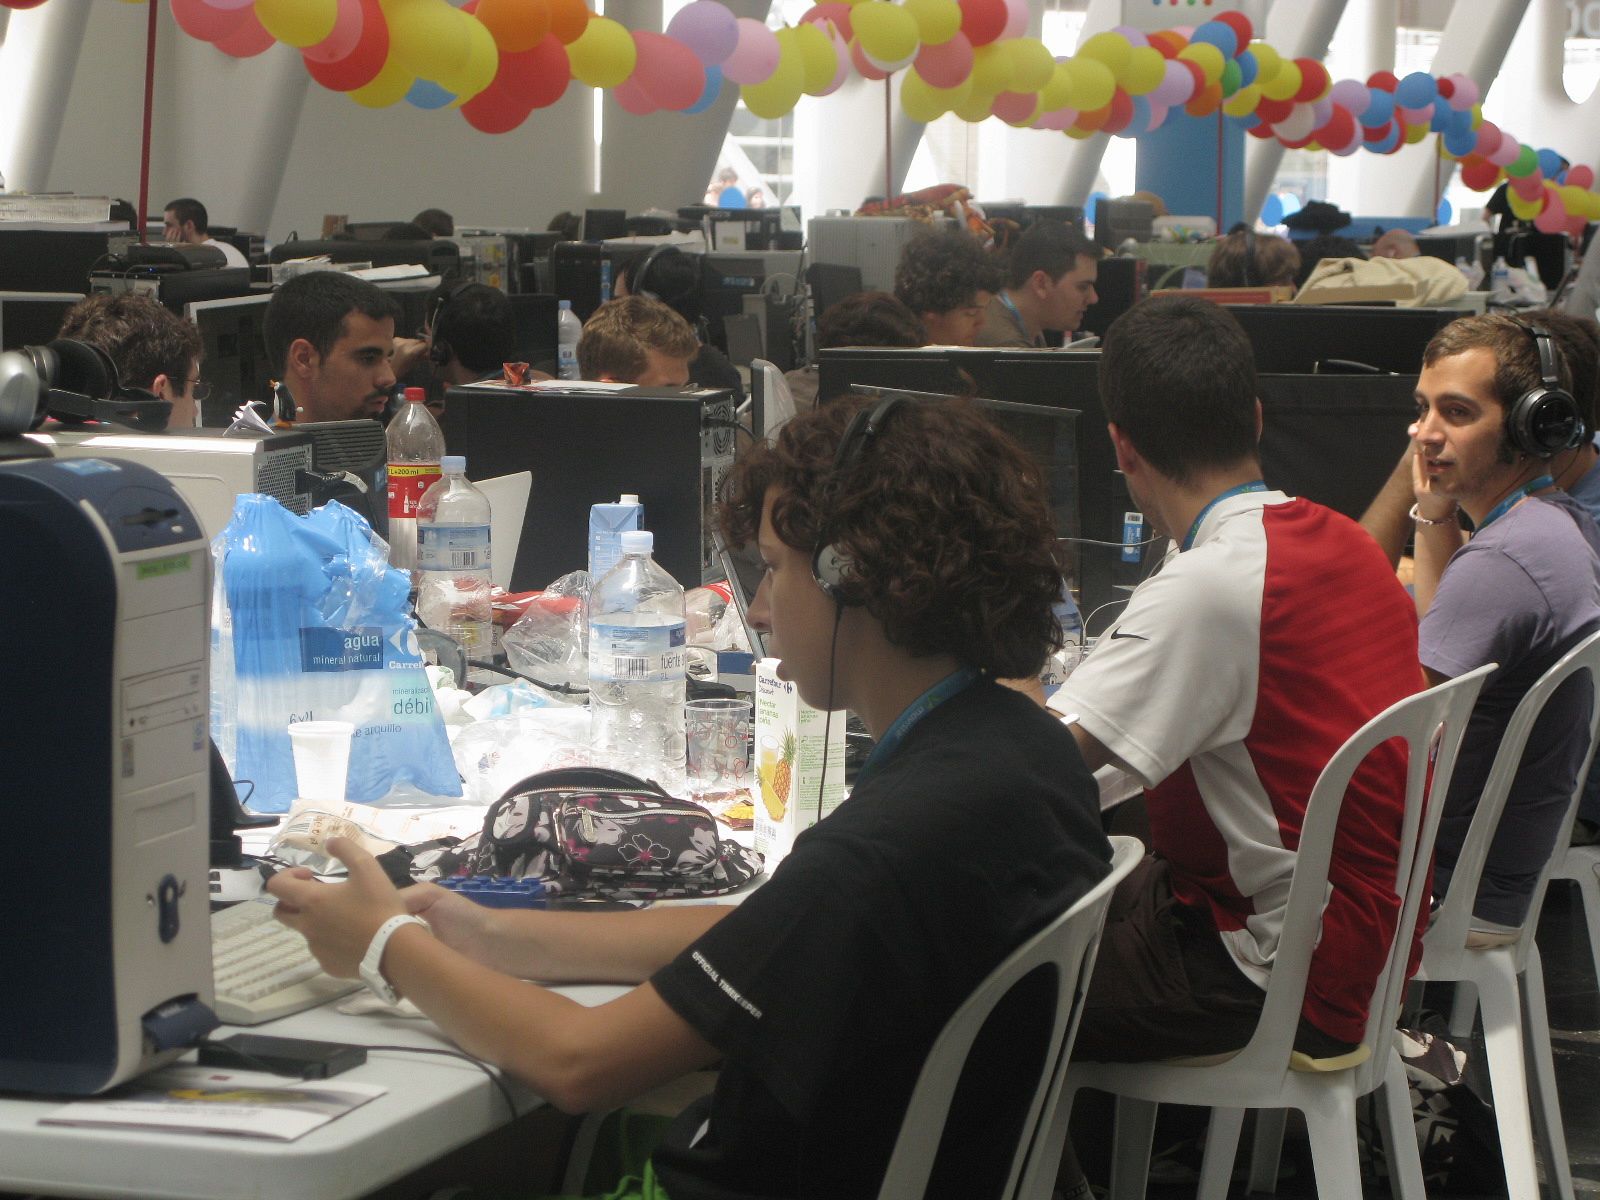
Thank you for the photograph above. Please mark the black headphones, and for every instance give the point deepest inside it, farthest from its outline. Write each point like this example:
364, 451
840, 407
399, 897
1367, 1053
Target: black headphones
439, 350
636, 277
1545, 420
1249, 257
829, 564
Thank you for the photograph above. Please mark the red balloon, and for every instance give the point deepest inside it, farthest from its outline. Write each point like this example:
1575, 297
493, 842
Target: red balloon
493, 111
1262, 131
21, 4
670, 73
863, 64
1167, 42
1376, 133
1012, 107
361, 66
1479, 174
249, 40
983, 20
1445, 87
1240, 24
199, 20
1273, 111
1341, 127
1385, 80
1121, 112
1313, 80
1528, 186
537, 77
836, 12
634, 99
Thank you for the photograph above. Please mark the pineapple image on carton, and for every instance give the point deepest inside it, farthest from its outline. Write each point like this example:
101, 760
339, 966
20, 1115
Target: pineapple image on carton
792, 739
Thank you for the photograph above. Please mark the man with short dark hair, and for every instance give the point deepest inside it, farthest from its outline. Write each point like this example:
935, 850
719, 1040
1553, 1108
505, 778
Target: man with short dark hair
435, 222
1049, 285
472, 332
1272, 632
639, 341
186, 222
330, 340
152, 348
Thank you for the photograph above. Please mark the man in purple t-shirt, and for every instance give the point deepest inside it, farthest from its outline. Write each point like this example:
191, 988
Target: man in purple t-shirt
1521, 592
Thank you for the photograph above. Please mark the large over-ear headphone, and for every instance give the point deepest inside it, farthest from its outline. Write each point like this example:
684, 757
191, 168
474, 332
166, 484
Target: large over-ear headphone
829, 564
440, 351
1544, 421
636, 278
1249, 275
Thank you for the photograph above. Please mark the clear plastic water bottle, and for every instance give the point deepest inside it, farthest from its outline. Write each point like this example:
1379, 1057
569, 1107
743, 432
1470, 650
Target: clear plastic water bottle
636, 666
416, 445
453, 559
1499, 282
568, 330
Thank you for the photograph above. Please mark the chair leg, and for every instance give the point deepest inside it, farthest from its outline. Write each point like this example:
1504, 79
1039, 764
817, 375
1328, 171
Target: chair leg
583, 1143
1541, 1064
1498, 995
1588, 881
1331, 1122
1130, 1154
1463, 1007
1400, 1134
1222, 1147
1266, 1148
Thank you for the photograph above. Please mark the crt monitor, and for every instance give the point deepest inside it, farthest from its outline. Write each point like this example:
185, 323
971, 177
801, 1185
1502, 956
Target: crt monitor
831, 283
1296, 339
33, 318
726, 279
234, 354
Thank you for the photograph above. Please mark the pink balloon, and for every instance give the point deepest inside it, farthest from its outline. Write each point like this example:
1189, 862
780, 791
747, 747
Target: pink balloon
946, 65
230, 5
630, 94
708, 29
1506, 152
347, 27
755, 57
1135, 37
200, 20
841, 54
1321, 111
1488, 139
1415, 116
1158, 116
1581, 176
669, 72
249, 39
1465, 95
1176, 86
1351, 94
1576, 225
1015, 106
1528, 186
1061, 118
1552, 217
1016, 22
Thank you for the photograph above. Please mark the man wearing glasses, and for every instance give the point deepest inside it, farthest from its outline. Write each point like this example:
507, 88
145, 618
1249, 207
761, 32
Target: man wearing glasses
152, 349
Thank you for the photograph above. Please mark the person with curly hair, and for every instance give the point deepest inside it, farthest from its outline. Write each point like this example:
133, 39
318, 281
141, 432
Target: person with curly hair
940, 276
909, 564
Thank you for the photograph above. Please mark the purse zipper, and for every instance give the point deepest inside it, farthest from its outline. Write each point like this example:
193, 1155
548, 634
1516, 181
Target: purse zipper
586, 819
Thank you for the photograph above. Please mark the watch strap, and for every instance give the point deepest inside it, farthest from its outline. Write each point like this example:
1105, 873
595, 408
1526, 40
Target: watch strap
373, 959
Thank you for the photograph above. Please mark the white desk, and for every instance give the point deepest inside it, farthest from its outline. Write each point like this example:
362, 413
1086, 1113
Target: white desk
432, 1105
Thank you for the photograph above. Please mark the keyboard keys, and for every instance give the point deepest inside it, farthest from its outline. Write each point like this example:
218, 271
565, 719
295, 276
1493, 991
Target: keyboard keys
262, 969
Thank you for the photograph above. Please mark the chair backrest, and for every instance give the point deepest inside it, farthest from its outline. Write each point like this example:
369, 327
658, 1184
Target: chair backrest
773, 402
1067, 945
508, 506
1454, 918
1431, 724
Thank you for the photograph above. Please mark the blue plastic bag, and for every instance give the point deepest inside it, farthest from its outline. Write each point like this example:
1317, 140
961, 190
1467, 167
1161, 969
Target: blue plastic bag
309, 623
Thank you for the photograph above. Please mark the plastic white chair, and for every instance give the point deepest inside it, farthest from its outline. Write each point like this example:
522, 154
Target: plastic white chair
770, 394
1068, 945
1268, 1073
1508, 981
1581, 864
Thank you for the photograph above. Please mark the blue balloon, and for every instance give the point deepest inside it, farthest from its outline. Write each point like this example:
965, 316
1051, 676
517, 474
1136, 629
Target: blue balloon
1416, 90
1458, 143
1379, 110
1272, 211
1140, 123
1386, 143
1249, 68
1440, 122
1461, 121
425, 93
1444, 213
1216, 33
1549, 163
1291, 203
713, 89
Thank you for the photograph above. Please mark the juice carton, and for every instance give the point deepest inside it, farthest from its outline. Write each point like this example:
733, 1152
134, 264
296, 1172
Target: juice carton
790, 740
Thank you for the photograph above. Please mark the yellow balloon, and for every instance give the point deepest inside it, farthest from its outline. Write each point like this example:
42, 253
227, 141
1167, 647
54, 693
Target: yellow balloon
921, 101
477, 70
604, 54
1477, 115
1243, 102
1267, 60
779, 94
991, 69
298, 22
1079, 135
1524, 210
1058, 92
425, 36
1207, 57
389, 87
1283, 84
885, 31
1032, 65
1145, 70
1110, 49
819, 62
937, 20
1093, 85
1415, 133
976, 107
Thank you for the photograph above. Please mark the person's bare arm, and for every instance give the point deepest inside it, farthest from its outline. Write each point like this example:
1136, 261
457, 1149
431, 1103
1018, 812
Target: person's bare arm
1435, 542
1095, 755
1388, 518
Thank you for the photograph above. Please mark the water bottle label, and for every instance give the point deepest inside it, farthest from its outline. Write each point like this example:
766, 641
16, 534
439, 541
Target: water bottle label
453, 547
567, 360
636, 654
407, 482
324, 649
1132, 535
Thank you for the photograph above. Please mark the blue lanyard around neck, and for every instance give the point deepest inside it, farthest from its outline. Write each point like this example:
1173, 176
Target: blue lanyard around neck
1511, 501
1016, 314
1255, 485
914, 712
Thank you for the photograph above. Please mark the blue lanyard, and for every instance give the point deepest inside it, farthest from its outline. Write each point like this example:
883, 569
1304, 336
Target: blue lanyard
1016, 314
1255, 485
1510, 502
914, 712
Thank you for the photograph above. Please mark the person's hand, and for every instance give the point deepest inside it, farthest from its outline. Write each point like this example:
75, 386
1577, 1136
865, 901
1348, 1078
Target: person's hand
1430, 506
461, 924
337, 919
408, 352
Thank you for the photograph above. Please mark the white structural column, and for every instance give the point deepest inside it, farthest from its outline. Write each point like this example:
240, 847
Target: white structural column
41, 78
1538, 110
1299, 30
1079, 162
267, 146
839, 144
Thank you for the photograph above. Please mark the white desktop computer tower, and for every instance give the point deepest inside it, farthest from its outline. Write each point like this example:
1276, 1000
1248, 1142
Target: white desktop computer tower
870, 244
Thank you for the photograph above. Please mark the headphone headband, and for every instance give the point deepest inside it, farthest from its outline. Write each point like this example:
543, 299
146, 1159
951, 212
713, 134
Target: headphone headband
829, 564
1545, 420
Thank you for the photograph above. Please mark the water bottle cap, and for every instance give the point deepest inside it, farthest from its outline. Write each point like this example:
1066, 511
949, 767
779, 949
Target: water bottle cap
564, 304
628, 498
453, 464
416, 395
637, 541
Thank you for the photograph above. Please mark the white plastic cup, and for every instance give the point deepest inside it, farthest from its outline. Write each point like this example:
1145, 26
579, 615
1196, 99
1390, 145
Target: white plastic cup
321, 758
718, 733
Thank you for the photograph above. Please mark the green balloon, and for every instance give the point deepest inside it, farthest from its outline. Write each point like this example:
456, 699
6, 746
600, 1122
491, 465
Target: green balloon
1231, 77
1526, 163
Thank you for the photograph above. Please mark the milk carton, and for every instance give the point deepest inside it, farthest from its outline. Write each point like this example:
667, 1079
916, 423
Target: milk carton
792, 739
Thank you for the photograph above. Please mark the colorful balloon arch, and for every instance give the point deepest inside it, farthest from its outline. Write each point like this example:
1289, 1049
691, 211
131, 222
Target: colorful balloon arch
499, 60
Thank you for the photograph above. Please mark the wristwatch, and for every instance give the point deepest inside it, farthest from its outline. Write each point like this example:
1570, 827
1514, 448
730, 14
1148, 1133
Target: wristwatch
370, 975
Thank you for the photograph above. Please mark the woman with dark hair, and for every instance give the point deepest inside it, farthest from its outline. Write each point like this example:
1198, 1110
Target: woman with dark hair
909, 561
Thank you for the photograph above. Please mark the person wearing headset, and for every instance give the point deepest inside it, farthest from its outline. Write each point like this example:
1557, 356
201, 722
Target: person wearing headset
153, 349
1494, 409
973, 824
669, 275
471, 334
1244, 259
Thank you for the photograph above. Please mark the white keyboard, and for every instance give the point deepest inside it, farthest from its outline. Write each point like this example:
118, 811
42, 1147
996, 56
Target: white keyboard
262, 969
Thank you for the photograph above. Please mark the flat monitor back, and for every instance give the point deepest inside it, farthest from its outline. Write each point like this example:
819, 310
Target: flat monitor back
32, 318
1291, 339
234, 354
535, 314
585, 273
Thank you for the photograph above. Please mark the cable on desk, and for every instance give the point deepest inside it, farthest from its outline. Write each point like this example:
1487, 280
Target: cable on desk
494, 1076
564, 688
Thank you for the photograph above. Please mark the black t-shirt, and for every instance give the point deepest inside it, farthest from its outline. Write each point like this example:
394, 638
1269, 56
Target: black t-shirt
711, 368
825, 989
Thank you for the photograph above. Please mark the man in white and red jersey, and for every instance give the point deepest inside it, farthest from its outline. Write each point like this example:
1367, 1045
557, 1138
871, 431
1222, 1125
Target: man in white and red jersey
1272, 632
